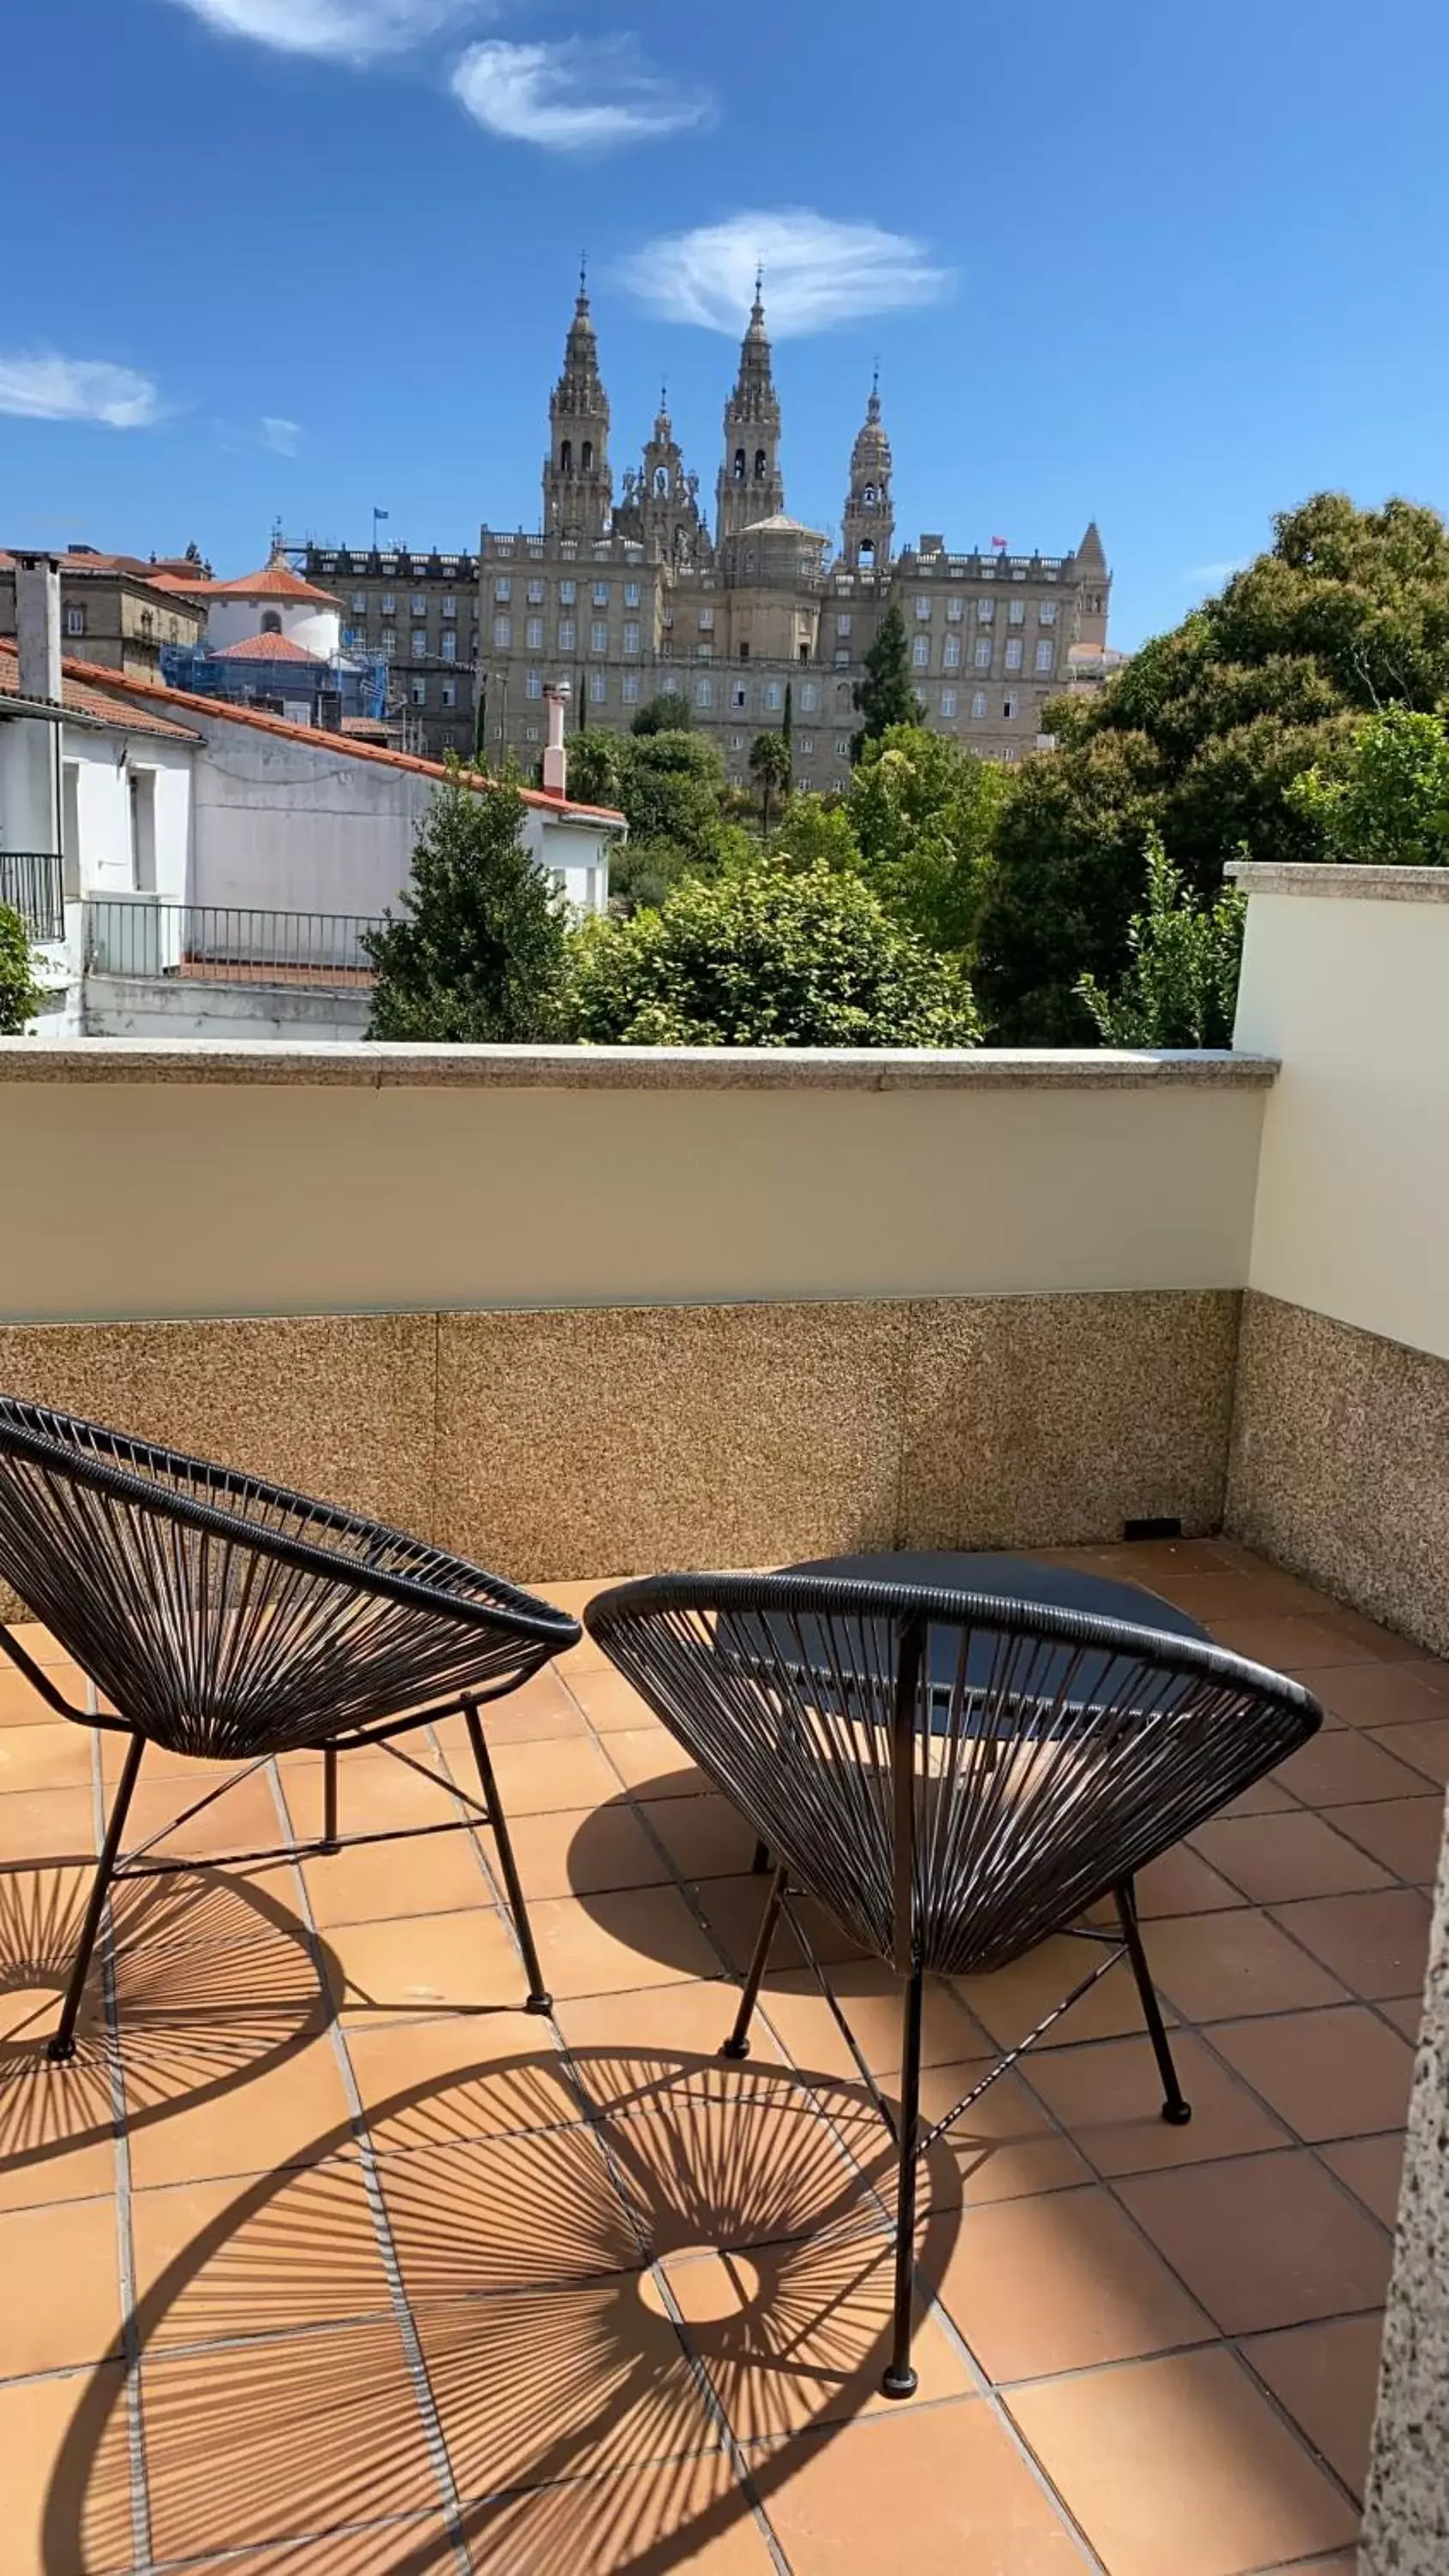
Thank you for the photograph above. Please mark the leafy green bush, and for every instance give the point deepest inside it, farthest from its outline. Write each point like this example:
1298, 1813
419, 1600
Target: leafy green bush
1181, 987
1382, 799
479, 956
19, 992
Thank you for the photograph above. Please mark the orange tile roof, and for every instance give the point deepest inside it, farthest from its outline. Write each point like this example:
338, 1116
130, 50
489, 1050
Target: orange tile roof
268, 648
564, 806
84, 699
276, 582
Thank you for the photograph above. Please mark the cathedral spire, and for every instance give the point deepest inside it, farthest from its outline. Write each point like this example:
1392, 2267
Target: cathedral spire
577, 487
750, 485
868, 526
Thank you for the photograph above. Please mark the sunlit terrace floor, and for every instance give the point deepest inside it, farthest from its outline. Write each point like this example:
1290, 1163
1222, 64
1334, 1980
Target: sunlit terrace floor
326, 2256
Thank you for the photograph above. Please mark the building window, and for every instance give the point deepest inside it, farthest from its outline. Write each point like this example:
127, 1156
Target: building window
982, 656
842, 623
1043, 657
807, 745
533, 634
842, 750
535, 594
533, 684
921, 653
530, 733
598, 687
601, 594
1008, 708
631, 688
420, 643
978, 703
1016, 612
359, 603
502, 590
774, 696
631, 594
502, 632
418, 691
740, 695
948, 703
450, 646
985, 611
388, 604
568, 592
566, 635
1046, 614
450, 693
951, 653
389, 639
923, 611
599, 635
271, 621
1013, 654
842, 656
745, 649
450, 608
75, 621
953, 611
809, 697
704, 693
706, 620
631, 637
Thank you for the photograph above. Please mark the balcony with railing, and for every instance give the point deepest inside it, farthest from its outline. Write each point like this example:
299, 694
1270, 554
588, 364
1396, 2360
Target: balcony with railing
32, 884
142, 937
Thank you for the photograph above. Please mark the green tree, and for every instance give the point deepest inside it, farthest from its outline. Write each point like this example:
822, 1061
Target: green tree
670, 712
1382, 799
19, 992
1203, 735
670, 787
924, 813
479, 955
597, 762
885, 696
758, 957
770, 770
1181, 986
816, 830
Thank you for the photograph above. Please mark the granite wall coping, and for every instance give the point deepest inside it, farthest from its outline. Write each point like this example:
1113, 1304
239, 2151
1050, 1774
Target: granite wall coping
380, 1067
1389, 885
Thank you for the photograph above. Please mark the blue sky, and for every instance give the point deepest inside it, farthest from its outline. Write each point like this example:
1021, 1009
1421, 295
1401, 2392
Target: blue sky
1172, 268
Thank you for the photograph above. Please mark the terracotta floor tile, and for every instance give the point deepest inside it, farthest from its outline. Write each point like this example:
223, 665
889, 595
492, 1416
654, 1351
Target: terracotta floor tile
54, 1756
1406, 2012
1327, 2376
653, 1765
219, 2260
376, 1791
871, 1997
362, 2549
608, 1700
46, 1824
940, 2490
468, 2075
1001, 2149
38, 1643
704, 1837
544, 1709
1295, 1644
799, 2335
533, 2211
61, 2304
56, 2140
641, 1936
1262, 2242
1343, 1765
1223, 1594
1373, 1695
1182, 1883
88, 2525
1109, 2098
1215, 1966
1182, 2465
279, 2115
608, 2384
371, 1882
427, 1963
745, 2158
622, 2042
1011, 2002
1423, 1745
1275, 1858
1332, 2074
1406, 1834
569, 1771
1373, 2169
733, 1908
1060, 2283
1266, 1797
1377, 1944
225, 2467
245, 1819
21, 1703
581, 1851
695, 2516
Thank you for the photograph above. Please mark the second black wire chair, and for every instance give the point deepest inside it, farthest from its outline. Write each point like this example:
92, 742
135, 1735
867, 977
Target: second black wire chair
232, 1620
954, 1776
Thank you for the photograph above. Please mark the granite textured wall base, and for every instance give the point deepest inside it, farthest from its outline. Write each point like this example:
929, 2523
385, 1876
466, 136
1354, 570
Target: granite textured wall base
1406, 2507
1340, 1463
556, 1443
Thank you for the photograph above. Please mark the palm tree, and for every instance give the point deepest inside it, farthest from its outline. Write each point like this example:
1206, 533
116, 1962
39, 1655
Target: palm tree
770, 768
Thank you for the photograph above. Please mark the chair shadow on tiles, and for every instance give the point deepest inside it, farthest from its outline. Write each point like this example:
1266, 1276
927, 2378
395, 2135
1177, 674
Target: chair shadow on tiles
606, 2258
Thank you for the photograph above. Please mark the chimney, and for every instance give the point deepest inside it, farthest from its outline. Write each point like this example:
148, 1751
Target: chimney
37, 626
555, 758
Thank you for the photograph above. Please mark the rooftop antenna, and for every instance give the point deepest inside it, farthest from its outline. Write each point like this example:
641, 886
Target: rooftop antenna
583, 273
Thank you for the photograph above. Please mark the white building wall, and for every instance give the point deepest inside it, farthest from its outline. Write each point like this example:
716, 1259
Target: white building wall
103, 765
304, 622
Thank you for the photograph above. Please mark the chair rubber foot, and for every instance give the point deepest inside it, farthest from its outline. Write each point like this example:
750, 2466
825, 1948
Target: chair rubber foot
539, 2004
899, 2383
327, 1849
60, 2051
1177, 2114
735, 2048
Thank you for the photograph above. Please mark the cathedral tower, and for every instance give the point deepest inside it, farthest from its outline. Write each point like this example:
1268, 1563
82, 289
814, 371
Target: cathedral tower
750, 484
577, 489
869, 524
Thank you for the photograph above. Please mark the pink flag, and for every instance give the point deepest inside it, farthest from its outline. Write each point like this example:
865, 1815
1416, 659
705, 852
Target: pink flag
1000, 544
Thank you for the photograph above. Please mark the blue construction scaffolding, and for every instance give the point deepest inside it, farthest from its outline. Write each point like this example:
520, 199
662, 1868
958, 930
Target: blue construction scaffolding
352, 685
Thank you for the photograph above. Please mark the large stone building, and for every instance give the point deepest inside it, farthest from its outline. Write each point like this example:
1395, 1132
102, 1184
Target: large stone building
117, 610
622, 595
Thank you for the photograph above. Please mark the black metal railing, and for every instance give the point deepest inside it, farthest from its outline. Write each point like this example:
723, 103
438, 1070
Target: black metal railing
137, 935
32, 884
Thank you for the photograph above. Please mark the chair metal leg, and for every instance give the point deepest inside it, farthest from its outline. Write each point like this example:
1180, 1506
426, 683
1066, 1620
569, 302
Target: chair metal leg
899, 2379
539, 1999
1176, 2110
329, 1798
738, 2042
61, 2046
761, 1861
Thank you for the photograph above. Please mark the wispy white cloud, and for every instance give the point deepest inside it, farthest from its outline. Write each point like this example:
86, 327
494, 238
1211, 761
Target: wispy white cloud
42, 385
1211, 576
587, 94
281, 436
818, 271
357, 31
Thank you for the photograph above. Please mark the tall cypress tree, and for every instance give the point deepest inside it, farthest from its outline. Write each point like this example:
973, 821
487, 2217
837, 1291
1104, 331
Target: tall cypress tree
885, 696
479, 953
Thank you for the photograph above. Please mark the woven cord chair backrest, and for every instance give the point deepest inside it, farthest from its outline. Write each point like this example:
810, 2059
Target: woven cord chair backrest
955, 1776
226, 1617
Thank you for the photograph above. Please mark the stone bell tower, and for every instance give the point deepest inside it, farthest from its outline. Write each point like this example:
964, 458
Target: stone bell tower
868, 526
578, 490
750, 485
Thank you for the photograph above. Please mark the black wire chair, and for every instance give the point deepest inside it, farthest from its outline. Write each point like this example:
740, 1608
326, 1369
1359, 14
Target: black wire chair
232, 1620
954, 1776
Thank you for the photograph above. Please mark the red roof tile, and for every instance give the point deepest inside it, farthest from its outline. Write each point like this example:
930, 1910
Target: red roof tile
269, 648
84, 699
561, 805
276, 582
